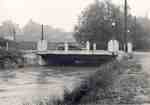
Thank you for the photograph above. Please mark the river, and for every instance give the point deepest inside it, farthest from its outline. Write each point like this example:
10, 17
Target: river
31, 84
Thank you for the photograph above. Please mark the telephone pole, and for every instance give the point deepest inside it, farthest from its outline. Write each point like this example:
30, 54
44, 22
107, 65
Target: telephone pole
14, 34
42, 33
135, 23
125, 25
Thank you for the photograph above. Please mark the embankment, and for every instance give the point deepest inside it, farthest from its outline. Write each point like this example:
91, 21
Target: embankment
114, 83
10, 59
118, 82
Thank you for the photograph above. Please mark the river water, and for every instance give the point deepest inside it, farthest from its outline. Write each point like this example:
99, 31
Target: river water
31, 84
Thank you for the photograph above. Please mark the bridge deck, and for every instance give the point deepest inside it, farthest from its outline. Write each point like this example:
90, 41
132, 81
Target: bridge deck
77, 52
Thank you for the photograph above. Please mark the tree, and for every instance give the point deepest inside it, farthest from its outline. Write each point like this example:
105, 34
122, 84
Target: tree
102, 21
96, 24
141, 35
9, 29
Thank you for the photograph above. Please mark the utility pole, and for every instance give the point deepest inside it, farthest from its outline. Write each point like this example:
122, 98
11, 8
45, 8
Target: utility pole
42, 33
125, 25
14, 34
135, 23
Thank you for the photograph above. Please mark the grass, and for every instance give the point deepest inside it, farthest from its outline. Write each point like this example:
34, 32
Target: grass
10, 59
95, 87
114, 83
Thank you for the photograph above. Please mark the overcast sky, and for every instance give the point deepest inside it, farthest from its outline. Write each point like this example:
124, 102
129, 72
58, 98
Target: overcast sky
57, 13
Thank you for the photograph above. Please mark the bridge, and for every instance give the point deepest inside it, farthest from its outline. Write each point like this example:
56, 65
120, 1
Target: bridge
66, 55
77, 52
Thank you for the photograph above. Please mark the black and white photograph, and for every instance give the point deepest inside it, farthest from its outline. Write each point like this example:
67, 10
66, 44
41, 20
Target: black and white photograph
74, 52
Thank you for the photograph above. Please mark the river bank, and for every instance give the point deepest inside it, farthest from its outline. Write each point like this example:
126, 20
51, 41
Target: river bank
29, 85
123, 82
11, 59
118, 82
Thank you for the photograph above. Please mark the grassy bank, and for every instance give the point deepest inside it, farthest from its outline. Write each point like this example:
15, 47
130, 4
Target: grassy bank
10, 59
117, 82
114, 83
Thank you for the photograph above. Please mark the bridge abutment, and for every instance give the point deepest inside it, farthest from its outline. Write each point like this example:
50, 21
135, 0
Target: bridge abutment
41, 60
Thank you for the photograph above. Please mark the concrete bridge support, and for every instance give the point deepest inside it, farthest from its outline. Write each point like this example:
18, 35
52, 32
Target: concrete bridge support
129, 47
94, 46
42, 45
41, 60
87, 46
113, 46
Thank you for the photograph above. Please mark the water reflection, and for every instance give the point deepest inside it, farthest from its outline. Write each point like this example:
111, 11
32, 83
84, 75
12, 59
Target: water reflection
33, 83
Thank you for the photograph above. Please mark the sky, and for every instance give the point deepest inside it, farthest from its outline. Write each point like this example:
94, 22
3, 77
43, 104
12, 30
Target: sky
57, 13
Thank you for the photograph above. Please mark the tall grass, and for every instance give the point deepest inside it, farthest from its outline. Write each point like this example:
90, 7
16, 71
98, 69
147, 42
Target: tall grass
114, 83
96, 83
